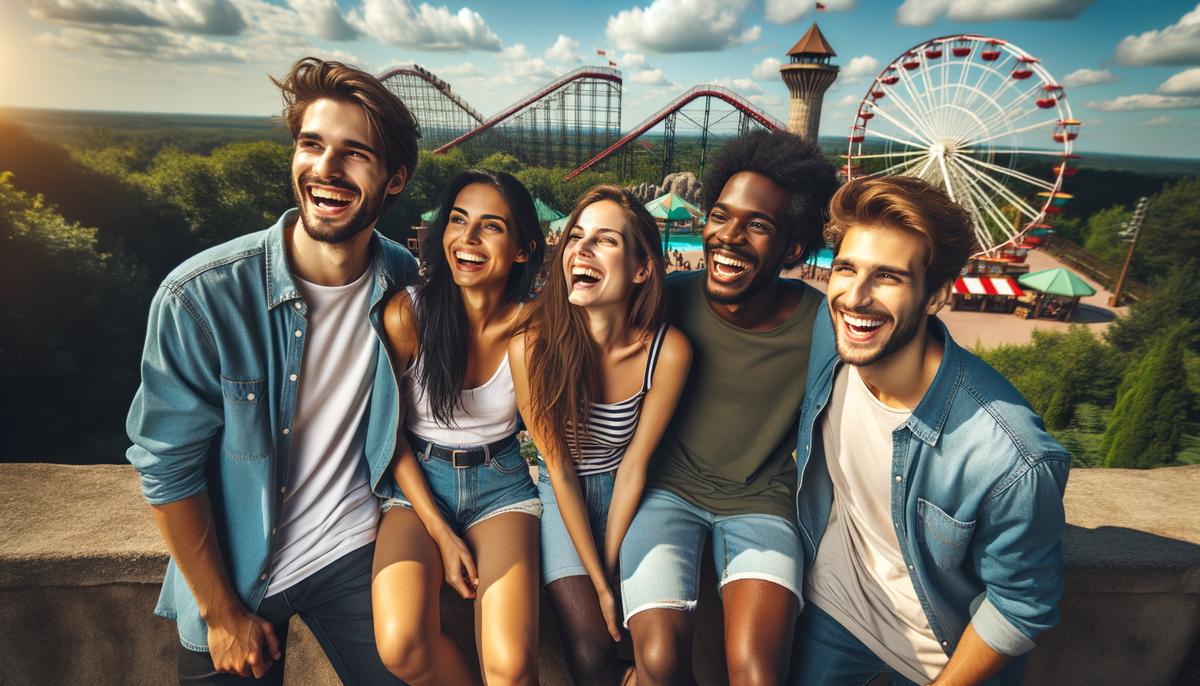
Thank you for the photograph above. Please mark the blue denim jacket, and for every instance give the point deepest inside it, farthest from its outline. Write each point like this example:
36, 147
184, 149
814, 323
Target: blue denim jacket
977, 488
218, 397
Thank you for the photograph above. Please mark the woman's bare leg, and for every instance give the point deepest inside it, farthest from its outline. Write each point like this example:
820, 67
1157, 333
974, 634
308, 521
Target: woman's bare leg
760, 618
506, 605
406, 596
591, 653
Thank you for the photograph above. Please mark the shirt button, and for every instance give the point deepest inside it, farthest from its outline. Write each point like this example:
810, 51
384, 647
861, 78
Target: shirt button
298, 333
899, 478
293, 377
945, 644
249, 396
263, 577
283, 489
273, 531
910, 568
297, 305
286, 431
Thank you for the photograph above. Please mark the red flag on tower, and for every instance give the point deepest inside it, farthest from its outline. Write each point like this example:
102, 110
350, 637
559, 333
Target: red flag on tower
612, 64
601, 53
820, 7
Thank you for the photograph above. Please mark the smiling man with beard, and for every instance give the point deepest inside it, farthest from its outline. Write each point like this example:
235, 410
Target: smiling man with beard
268, 411
724, 466
930, 495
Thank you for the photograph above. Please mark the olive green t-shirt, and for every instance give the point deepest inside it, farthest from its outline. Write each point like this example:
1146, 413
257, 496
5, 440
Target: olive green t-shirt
728, 448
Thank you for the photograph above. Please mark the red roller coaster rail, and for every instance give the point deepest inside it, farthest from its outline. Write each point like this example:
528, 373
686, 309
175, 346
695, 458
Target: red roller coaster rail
701, 91
602, 73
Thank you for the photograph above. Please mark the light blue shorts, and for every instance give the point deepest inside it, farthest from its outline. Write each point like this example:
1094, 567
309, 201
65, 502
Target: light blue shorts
660, 556
470, 495
559, 557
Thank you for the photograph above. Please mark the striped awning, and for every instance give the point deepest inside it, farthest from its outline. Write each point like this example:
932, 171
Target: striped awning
987, 285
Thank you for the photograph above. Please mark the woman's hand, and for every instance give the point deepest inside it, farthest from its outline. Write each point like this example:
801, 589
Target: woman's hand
458, 564
608, 607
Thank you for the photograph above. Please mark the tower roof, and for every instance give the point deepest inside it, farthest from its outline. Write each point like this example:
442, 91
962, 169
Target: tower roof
813, 43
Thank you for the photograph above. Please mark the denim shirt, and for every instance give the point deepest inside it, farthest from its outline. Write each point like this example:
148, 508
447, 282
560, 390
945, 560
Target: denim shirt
218, 397
976, 499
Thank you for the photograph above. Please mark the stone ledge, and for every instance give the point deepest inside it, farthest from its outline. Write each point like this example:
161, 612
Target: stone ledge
1132, 607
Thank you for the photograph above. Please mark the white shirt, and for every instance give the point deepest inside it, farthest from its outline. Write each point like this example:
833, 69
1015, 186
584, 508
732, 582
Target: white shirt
329, 509
859, 576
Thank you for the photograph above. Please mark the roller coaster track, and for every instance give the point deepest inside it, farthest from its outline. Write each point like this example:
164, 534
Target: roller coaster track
440, 112
696, 92
600, 73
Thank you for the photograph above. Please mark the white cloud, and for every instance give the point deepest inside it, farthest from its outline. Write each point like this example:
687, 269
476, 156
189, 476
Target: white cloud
1179, 43
1161, 120
682, 26
631, 60
464, 69
324, 19
767, 69
212, 17
848, 100
1186, 82
1146, 101
767, 102
564, 50
863, 65
140, 43
650, 77
425, 27
742, 86
788, 11
515, 52
1088, 77
925, 12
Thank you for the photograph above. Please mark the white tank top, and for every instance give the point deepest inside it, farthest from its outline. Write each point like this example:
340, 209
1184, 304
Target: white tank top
487, 413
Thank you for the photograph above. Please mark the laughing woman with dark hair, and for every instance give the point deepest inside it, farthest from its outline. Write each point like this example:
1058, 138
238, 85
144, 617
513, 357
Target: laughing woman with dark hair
598, 373
458, 466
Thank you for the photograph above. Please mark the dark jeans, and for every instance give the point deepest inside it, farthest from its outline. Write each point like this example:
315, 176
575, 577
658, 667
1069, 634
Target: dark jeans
826, 654
335, 603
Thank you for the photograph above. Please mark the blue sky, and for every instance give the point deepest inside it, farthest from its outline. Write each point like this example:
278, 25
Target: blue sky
1131, 69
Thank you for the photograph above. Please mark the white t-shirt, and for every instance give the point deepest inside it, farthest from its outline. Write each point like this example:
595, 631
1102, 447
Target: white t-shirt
329, 509
859, 577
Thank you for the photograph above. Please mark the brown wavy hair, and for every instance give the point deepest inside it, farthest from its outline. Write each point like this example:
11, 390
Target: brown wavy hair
911, 204
564, 374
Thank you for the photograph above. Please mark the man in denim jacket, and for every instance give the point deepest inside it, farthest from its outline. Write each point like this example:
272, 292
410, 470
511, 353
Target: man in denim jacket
930, 494
268, 409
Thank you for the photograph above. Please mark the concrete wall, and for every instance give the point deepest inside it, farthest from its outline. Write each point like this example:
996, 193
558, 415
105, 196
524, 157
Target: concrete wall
80, 562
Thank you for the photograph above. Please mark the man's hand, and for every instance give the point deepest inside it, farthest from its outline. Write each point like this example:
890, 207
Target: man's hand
242, 643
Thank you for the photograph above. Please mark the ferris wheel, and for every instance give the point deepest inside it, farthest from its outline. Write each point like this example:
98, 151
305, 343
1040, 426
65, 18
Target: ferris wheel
978, 117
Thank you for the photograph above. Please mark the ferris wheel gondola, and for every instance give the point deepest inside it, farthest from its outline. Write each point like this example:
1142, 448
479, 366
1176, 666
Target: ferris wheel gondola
973, 115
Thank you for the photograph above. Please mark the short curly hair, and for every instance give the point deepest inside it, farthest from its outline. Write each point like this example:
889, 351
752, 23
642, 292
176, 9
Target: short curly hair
794, 164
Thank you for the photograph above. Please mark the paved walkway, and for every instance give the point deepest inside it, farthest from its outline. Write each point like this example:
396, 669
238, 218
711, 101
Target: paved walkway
991, 328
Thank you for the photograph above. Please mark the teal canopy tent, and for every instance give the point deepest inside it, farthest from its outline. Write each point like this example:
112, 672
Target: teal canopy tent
672, 208
1059, 291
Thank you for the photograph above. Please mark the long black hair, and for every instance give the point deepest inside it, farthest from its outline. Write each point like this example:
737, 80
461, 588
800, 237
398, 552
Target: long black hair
441, 318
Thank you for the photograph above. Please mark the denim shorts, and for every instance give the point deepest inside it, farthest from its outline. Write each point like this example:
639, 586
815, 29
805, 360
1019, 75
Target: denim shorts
559, 557
660, 556
467, 496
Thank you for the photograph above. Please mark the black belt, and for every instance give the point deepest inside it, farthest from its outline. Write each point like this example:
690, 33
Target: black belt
461, 458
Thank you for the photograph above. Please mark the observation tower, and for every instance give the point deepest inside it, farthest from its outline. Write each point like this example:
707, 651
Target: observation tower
808, 75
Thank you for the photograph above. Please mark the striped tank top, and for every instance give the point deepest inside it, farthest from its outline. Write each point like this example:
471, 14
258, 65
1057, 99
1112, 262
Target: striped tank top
611, 425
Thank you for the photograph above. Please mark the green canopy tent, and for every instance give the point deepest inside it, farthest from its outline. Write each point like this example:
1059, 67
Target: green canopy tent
546, 213
429, 216
671, 208
1059, 290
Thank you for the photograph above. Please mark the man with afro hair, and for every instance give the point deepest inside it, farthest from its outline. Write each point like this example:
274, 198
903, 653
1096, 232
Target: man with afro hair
724, 466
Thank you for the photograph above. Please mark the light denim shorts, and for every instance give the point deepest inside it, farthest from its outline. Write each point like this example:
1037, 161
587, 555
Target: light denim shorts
660, 556
468, 496
559, 557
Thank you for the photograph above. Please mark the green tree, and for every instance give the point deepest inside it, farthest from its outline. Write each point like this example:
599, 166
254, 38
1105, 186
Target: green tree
1171, 229
1146, 426
70, 333
1171, 302
1103, 239
500, 162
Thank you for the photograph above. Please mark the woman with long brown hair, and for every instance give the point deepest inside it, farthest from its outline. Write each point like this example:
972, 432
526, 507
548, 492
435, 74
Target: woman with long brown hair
597, 373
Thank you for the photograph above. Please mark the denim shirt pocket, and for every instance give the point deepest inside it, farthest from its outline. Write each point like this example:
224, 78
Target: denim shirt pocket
943, 537
247, 436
